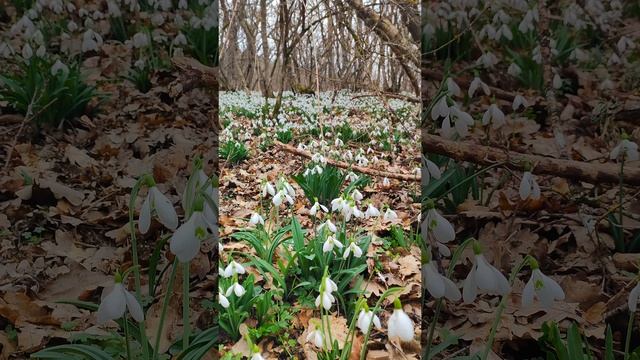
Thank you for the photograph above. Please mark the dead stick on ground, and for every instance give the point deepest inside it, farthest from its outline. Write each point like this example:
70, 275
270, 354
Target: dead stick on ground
344, 165
570, 169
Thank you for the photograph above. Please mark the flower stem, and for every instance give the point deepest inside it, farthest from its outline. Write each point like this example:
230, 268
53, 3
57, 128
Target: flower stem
627, 341
621, 197
126, 337
136, 264
501, 307
165, 304
185, 307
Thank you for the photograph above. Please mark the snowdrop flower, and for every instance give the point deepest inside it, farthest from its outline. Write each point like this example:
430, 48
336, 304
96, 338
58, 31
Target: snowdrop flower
185, 242
518, 101
371, 211
232, 269
624, 43
439, 285
235, 288
462, 122
140, 40
257, 356
330, 243
41, 52
353, 247
437, 225
338, 142
529, 187
542, 287
625, 149
478, 83
256, 219
488, 60
315, 337
59, 66
356, 195
180, 40
163, 207
400, 325
113, 9
119, 300
317, 206
337, 204
493, 115
389, 215
634, 297
267, 188
329, 225
352, 177
326, 299
440, 109
452, 88
514, 70
430, 169
222, 299
365, 317
557, 82
91, 41
280, 198
27, 52
386, 182
483, 278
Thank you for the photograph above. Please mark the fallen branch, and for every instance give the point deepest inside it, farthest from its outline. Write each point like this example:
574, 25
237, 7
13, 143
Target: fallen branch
570, 169
343, 165
198, 73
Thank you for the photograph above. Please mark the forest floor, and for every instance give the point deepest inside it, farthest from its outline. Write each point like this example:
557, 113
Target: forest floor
572, 228
357, 131
65, 191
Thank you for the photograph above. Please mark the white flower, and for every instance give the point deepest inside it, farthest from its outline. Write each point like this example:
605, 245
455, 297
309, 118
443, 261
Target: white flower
389, 215
325, 299
430, 170
364, 321
338, 142
316, 338
315, 207
114, 305
280, 198
440, 228
400, 325
371, 211
235, 288
557, 82
356, 195
267, 188
440, 109
329, 226
634, 297
542, 287
475, 84
529, 187
624, 43
222, 299
180, 40
518, 101
156, 200
337, 204
330, 243
626, 148
27, 52
452, 88
386, 182
91, 41
256, 219
514, 70
185, 242
493, 115
257, 356
59, 66
113, 9
140, 40
232, 269
357, 252
439, 285
483, 277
